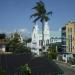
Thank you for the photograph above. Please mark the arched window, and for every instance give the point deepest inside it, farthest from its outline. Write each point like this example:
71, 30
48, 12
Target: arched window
34, 35
47, 42
40, 42
51, 39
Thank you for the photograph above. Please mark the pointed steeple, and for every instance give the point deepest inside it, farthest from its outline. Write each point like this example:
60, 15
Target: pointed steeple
35, 27
46, 28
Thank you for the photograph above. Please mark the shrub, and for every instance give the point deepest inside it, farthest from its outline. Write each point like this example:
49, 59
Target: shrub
24, 70
2, 72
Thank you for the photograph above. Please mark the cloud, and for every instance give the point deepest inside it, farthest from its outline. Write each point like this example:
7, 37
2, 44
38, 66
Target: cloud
23, 30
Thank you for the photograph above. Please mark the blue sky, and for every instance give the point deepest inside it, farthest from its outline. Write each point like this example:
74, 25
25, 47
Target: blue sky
15, 14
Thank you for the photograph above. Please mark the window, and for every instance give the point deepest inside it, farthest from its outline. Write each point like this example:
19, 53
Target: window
47, 42
33, 48
64, 55
71, 30
34, 35
73, 47
40, 42
51, 39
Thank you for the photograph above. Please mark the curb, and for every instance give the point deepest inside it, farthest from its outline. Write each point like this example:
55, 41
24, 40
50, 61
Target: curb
67, 65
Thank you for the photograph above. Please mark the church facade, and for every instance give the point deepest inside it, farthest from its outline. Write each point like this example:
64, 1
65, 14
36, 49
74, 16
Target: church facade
37, 38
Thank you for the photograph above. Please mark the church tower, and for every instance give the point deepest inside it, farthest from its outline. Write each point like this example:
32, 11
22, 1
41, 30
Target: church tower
36, 43
46, 35
35, 39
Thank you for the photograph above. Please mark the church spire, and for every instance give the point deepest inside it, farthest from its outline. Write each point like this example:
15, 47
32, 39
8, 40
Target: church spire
46, 28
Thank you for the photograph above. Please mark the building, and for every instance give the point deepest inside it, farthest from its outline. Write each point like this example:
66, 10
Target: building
63, 35
49, 37
55, 36
2, 42
68, 39
36, 43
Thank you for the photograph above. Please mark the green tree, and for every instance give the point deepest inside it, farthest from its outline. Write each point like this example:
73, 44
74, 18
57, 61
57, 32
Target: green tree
52, 51
42, 15
2, 72
24, 70
15, 45
28, 40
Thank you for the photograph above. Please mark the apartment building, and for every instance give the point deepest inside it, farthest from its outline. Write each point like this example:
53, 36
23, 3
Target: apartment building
68, 39
63, 35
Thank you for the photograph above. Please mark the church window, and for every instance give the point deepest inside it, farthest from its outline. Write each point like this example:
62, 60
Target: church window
44, 41
34, 35
47, 42
40, 42
34, 48
51, 39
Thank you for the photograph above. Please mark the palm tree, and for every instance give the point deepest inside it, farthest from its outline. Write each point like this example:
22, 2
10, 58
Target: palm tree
42, 15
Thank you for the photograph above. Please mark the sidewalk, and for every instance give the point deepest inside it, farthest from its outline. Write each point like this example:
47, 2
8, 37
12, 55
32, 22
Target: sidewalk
67, 65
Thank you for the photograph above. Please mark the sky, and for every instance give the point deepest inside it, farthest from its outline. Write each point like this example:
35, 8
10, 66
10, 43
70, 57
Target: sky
15, 14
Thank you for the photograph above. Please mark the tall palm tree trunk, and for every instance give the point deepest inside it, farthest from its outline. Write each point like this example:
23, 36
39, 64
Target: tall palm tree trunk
42, 35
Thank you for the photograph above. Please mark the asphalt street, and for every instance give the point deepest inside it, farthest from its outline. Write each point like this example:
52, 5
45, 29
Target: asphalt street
67, 69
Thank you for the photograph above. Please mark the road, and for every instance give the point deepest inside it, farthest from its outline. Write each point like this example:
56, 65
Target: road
67, 69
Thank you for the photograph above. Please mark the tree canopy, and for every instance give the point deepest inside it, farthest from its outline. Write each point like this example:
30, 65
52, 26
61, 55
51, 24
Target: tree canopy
15, 44
40, 12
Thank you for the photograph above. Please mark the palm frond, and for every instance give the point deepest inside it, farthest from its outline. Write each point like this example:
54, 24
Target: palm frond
41, 20
36, 19
41, 2
41, 12
37, 8
34, 15
46, 18
34, 7
49, 13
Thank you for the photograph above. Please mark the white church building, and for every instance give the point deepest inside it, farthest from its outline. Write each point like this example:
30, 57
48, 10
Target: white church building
37, 38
